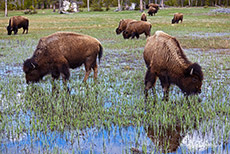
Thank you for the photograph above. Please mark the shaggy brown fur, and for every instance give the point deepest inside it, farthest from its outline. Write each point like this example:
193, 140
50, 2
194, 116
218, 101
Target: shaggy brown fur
122, 25
143, 17
156, 6
165, 59
177, 17
58, 52
17, 22
136, 28
152, 11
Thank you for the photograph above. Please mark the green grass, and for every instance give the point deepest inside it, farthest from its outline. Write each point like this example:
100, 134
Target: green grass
117, 98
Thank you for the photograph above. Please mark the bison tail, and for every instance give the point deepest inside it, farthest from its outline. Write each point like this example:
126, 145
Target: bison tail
100, 53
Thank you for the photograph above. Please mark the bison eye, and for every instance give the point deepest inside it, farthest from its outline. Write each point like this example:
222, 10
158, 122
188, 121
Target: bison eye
194, 80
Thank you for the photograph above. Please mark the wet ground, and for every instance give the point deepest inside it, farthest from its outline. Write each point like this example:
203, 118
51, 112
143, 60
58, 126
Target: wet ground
204, 136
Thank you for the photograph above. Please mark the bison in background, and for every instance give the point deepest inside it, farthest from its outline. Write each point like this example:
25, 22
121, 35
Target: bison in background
152, 11
136, 28
17, 22
58, 52
166, 60
143, 17
177, 17
122, 25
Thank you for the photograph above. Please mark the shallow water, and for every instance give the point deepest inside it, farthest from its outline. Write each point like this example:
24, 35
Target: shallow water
208, 136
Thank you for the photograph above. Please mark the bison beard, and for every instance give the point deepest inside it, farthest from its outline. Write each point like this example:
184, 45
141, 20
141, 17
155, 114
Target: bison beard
58, 52
166, 60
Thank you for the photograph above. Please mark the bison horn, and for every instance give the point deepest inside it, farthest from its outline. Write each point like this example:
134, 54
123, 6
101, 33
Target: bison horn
191, 71
33, 65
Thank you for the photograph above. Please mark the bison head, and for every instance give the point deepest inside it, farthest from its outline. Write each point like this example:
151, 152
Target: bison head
192, 81
120, 27
31, 71
118, 31
173, 21
9, 30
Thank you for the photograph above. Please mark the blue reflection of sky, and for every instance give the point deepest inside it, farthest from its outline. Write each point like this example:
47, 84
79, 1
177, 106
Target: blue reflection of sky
91, 140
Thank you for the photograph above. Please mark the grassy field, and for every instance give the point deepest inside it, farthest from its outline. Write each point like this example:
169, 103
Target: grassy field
110, 115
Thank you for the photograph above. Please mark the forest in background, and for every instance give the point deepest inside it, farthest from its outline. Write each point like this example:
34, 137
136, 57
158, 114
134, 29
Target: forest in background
45, 4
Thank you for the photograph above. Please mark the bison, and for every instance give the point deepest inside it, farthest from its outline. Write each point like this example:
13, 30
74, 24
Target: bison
122, 25
177, 17
143, 17
135, 28
58, 52
166, 60
152, 11
17, 22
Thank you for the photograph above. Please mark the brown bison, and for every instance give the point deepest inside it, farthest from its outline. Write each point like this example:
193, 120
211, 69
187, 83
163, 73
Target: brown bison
166, 60
136, 28
156, 6
122, 25
177, 17
17, 22
143, 17
58, 52
152, 11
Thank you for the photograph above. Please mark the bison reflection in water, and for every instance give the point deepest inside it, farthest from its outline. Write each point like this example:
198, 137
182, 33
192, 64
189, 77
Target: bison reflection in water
17, 22
58, 52
167, 139
166, 60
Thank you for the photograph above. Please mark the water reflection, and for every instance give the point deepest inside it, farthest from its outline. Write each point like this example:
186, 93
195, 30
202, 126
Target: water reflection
166, 138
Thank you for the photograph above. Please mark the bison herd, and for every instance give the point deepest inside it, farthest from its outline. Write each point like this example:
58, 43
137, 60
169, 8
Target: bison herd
57, 53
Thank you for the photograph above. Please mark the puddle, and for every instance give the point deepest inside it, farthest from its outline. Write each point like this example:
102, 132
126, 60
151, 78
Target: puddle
208, 35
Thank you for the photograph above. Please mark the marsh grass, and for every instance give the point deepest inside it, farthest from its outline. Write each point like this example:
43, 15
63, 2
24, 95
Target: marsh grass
111, 114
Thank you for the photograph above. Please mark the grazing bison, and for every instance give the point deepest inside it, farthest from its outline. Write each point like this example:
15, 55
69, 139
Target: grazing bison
177, 17
156, 6
135, 28
122, 25
152, 11
166, 60
58, 52
143, 17
17, 22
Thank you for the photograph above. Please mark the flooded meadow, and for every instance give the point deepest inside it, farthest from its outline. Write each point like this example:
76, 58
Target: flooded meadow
111, 115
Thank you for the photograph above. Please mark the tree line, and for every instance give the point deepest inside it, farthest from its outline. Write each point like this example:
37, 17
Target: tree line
44, 4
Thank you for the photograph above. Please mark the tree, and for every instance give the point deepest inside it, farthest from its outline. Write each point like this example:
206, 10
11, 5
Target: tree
60, 5
162, 3
6, 8
88, 5
141, 5
119, 5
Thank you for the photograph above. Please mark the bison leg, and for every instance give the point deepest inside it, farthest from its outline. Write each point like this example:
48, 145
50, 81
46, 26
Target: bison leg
65, 72
165, 85
95, 71
133, 35
88, 65
150, 80
15, 30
